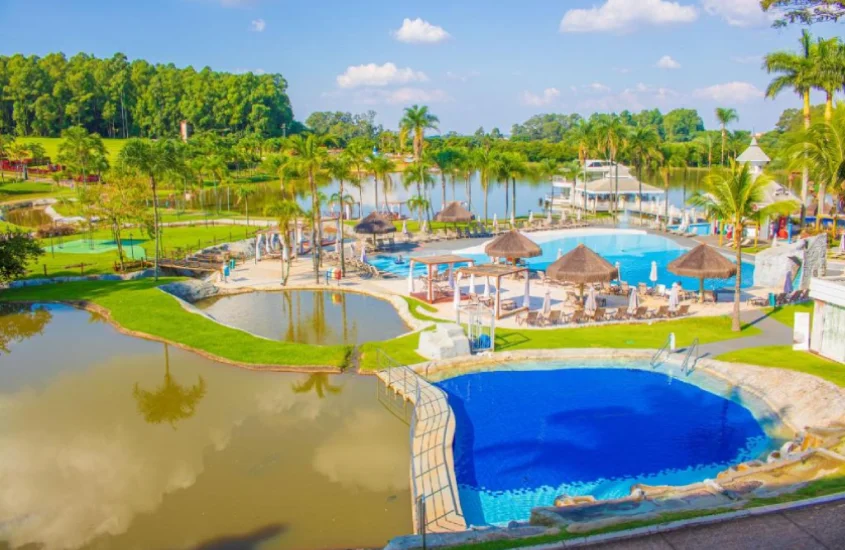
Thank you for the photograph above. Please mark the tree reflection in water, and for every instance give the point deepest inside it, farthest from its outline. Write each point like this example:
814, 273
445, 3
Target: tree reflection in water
19, 322
170, 402
320, 383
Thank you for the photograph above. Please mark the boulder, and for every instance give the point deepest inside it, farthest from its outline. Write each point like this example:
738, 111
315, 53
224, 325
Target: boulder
191, 291
447, 340
807, 257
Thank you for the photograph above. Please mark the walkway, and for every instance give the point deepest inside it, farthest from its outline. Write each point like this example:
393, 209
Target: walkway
817, 527
775, 333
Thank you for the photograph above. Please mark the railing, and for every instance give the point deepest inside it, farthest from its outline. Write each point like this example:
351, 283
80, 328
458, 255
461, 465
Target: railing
689, 360
656, 360
433, 485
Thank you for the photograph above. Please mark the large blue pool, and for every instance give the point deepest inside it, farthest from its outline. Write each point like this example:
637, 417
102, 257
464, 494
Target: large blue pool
634, 250
525, 437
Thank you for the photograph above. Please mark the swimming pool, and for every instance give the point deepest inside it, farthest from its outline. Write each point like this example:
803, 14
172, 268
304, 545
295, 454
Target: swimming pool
633, 249
525, 437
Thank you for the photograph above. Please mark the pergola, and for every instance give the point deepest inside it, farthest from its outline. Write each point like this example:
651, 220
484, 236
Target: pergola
432, 262
497, 271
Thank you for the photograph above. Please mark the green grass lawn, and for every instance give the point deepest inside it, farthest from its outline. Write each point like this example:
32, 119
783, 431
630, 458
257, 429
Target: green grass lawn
24, 190
417, 308
191, 237
400, 349
786, 314
139, 306
51, 146
784, 357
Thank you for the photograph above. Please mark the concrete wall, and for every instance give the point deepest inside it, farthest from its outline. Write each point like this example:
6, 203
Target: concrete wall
807, 256
828, 332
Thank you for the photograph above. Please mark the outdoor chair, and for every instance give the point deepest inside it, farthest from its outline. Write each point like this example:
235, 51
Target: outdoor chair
643, 289
758, 301
555, 317
599, 315
531, 319
620, 315
661, 313
624, 288
681, 311
780, 299
578, 317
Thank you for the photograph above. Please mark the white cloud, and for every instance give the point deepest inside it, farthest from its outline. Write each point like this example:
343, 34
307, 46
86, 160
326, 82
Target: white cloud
404, 95
548, 96
257, 25
462, 77
625, 15
732, 92
640, 96
378, 75
419, 31
666, 62
597, 87
739, 13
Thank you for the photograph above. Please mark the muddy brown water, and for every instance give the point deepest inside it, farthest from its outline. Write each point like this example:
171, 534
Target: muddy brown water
113, 442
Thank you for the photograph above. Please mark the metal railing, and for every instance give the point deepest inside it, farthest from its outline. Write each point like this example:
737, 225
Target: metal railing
430, 414
690, 360
656, 358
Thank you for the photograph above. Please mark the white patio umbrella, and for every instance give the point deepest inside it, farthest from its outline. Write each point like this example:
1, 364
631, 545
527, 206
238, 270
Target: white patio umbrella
472, 283
495, 223
633, 301
590, 306
348, 211
456, 302
842, 243
653, 275
513, 220
559, 253
404, 227
258, 247
526, 299
549, 217
547, 301
451, 278
673, 297
530, 217
363, 254
618, 267
411, 277
486, 287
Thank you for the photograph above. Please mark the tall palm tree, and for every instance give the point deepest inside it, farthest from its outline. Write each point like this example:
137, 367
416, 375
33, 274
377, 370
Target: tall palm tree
418, 203
419, 174
829, 59
612, 133
583, 137
340, 168
733, 195
286, 212
705, 139
822, 151
309, 158
796, 71
642, 146
725, 116
381, 167
548, 169
154, 160
486, 162
82, 153
417, 120
511, 166
444, 160
358, 151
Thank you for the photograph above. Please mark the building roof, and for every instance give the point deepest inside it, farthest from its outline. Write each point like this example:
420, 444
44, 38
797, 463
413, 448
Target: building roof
627, 184
703, 262
753, 154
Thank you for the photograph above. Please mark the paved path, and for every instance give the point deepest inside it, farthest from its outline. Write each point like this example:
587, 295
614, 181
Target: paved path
817, 527
774, 333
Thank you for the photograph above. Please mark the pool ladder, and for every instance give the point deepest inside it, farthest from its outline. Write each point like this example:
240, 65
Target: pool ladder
690, 360
657, 359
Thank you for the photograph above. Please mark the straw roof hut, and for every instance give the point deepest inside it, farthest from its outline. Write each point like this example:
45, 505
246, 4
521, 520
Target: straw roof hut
512, 244
375, 224
454, 213
582, 266
703, 262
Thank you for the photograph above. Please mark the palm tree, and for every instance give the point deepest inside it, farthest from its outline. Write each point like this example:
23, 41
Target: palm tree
511, 166
612, 134
357, 151
419, 174
340, 168
18, 152
642, 146
381, 167
309, 158
798, 73
319, 382
417, 120
170, 402
244, 192
444, 160
822, 151
82, 153
733, 195
466, 165
548, 169
5, 144
285, 212
583, 137
829, 59
154, 160
486, 162
418, 203
725, 116
706, 140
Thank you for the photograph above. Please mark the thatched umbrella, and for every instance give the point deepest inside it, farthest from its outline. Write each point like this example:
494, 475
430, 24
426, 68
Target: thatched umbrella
582, 266
703, 262
375, 224
454, 213
511, 245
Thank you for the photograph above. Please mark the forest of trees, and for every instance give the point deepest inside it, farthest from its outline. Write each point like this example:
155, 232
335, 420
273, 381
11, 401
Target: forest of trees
41, 96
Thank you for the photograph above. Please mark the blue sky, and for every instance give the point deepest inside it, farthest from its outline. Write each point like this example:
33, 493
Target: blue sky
475, 63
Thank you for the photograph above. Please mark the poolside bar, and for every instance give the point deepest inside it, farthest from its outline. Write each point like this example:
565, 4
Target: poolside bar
433, 295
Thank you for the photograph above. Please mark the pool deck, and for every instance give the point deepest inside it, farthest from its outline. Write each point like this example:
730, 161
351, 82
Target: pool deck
266, 275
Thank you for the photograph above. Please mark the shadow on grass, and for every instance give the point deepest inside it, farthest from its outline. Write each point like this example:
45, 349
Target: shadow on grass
510, 340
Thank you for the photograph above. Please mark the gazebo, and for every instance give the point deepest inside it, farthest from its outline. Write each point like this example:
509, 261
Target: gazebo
512, 245
431, 294
582, 266
496, 272
375, 224
454, 212
703, 262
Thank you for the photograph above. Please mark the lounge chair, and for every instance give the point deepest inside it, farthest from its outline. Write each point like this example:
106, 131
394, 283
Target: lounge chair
681, 311
555, 317
640, 314
532, 319
620, 315
661, 313
600, 314
578, 317
643, 289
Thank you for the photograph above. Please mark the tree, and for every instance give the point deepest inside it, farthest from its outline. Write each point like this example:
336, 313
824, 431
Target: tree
419, 174
339, 168
154, 160
18, 153
548, 169
5, 144
285, 212
796, 72
17, 249
509, 167
444, 160
82, 153
486, 162
733, 195
419, 204
682, 124
725, 116
805, 12
612, 136
118, 203
829, 60
822, 151
309, 158
642, 146
381, 168
417, 120
170, 402
244, 192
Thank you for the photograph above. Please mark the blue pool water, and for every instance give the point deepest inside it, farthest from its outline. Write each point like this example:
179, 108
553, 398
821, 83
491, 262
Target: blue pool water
633, 250
525, 437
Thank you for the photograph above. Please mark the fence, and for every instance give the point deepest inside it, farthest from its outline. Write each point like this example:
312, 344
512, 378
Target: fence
437, 506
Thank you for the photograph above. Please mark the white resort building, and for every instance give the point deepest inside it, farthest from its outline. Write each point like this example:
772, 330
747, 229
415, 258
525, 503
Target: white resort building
828, 327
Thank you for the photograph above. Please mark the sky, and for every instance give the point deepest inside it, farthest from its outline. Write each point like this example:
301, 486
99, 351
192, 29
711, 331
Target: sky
474, 62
